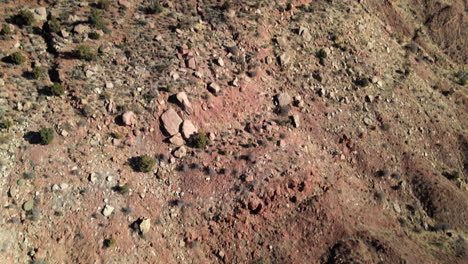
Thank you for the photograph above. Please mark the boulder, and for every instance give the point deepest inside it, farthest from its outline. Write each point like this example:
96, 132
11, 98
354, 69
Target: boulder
214, 88
182, 98
129, 118
145, 225
188, 129
171, 121
177, 140
180, 152
283, 99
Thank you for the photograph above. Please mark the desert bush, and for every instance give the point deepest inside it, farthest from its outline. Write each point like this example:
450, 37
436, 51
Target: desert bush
56, 89
109, 242
94, 35
453, 176
6, 30
363, 81
6, 124
53, 25
199, 140
154, 8
226, 5
24, 18
38, 73
84, 52
103, 4
96, 20
122, 189
46, 135
17, 58
143, 163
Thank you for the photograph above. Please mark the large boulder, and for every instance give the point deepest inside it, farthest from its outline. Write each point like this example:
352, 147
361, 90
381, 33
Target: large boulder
171, 121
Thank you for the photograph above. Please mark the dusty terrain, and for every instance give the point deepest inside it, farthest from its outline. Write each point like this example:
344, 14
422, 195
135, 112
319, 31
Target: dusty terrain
337, 132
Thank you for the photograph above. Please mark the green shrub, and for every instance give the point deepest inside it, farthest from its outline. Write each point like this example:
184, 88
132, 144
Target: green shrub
321, 54
84, 52
38, 73
453, 176
110, 242
6, 30
24, 18
53, 25
143, 163
6, 123
122, 189
117, 135
96, 20
154, 8
363, 81
103, 4
226, 5
17, 58
199, 140
56, 89
94, 35
46, 135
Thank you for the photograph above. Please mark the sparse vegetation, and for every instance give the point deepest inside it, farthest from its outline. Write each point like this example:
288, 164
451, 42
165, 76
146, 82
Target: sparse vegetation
6, 124
17, 58
6, 30
154, 8
46, 136
94, 35
96, 20
53, 25
109, 242
122, 189
199, 140
143, 163
103, 4
363, 81
226, 5
56, 89
453, 175
321, 55
24, 18
116, 135
38, 73
84, 52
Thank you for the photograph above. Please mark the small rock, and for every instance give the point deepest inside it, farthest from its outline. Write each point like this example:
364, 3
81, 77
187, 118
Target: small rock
177, 140
304, 32
296, 121
28, 205
125, 4
367, 121
93, 177
82, 29
369, 98
220, 62
191, 63
183, 99
188, 129
214, 88
171, 121
129, 118
284, 59
107, 210
40, 13
145, 226
283, 99
180, 152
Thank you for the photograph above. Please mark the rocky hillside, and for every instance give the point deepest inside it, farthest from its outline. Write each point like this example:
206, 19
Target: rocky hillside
208, 131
